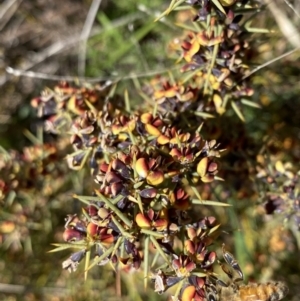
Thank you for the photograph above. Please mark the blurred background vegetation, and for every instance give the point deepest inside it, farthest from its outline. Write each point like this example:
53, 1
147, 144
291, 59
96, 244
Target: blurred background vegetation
47, 37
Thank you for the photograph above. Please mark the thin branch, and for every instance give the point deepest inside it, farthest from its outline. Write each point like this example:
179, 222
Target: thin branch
107, 81
289, 4
60, 46
46, 53
87, 27
270, 62
290, 32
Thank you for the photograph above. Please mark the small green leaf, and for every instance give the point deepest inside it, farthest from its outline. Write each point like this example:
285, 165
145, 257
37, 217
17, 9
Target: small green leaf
212, 230
199, 274
117, 245
216, 177
146, 261
179, 287
140, 203
122, 230
32, 138
152, 233
87, 262
219, 6
159, 249
154, 260
100, 258
204, 115
116, 210
209, 203
237, 111
250, 103
65, 246
127, 101
172, 6
196, 192
87, 200
10, 198
85, 153
186, 26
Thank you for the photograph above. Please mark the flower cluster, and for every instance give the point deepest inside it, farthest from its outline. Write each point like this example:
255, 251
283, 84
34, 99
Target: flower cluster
215, 58
149, 165
112, 241
141, 182
142, 165
281, 188
27, 180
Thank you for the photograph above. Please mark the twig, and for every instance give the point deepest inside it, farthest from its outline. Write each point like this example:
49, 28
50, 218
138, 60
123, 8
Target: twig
87, 27
289, 4
58, 47
46, 53
107, 81
269, 63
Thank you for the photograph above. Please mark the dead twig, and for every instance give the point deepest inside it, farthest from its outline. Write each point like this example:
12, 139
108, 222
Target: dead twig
270, 62
87, 27
59, 47
288, 29
106, 81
